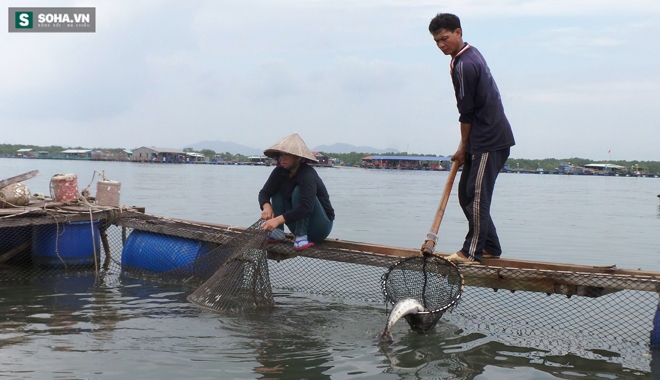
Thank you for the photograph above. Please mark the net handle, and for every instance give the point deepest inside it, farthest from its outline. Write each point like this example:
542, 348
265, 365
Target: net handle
432, 237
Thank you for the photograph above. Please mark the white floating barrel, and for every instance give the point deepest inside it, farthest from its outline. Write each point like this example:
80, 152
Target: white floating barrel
107, 193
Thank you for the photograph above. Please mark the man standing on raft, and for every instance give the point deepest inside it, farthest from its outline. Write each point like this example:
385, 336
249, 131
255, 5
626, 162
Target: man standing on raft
486, 137
295, 195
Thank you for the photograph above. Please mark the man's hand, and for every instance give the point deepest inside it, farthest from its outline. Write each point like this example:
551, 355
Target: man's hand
459, 157
267, 212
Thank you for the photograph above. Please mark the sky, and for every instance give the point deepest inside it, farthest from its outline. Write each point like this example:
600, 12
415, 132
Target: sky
577, 79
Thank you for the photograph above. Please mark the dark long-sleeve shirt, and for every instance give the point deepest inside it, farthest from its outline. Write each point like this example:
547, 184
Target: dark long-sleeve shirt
479, 103
311, 187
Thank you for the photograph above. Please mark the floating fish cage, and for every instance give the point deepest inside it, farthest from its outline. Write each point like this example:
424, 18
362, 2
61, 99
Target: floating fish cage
601, 313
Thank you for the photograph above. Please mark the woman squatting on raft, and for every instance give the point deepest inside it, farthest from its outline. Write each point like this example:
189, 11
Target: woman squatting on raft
295, 195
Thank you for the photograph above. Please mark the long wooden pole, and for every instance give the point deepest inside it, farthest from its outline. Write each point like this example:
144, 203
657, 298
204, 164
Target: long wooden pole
18, 178
432, 237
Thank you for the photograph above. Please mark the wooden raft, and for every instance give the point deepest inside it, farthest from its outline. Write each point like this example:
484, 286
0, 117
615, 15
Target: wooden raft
509, 274
49, 212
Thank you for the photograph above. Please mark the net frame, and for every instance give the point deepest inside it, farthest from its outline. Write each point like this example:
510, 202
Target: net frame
386, 282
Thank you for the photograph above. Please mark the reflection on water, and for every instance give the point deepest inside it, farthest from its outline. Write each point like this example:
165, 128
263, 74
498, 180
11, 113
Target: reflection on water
69, 327
150, 331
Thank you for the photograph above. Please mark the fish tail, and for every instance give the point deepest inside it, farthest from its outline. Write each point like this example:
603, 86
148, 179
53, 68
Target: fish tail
385, 336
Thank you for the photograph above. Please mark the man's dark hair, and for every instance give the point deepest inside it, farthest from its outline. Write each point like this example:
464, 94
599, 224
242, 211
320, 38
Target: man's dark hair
445, 21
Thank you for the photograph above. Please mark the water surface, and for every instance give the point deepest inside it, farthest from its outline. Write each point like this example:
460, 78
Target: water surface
70, 328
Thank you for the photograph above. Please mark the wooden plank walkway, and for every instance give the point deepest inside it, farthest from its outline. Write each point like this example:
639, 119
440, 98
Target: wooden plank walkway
509, 274
504, 273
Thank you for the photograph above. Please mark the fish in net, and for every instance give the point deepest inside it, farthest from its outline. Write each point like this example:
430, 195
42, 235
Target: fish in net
242, 280
422, 289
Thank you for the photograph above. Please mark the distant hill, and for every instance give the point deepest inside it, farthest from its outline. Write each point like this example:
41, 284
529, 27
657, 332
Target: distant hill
225, 146
348, 148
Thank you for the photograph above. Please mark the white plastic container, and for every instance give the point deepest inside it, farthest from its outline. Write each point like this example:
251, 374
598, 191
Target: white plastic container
108, 193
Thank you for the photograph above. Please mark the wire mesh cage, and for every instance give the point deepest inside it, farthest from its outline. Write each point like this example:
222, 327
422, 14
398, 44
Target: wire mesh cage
584, 313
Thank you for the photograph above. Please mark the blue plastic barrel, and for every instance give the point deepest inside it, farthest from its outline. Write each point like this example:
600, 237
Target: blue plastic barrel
65, 244
160, 253
655, 333
13, 237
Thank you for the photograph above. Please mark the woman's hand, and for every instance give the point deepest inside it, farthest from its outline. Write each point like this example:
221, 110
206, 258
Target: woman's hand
272, 223
267, 212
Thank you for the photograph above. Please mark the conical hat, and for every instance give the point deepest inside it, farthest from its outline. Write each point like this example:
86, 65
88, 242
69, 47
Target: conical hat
291, 144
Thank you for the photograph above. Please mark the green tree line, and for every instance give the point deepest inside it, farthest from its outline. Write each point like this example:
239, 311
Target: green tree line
10, 150
547, 164
551, 164
355, 158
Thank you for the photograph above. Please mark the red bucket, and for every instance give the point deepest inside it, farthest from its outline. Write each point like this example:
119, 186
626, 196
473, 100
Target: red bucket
64, 187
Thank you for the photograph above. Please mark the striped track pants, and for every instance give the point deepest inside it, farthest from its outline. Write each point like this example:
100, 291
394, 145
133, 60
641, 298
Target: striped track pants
475, 191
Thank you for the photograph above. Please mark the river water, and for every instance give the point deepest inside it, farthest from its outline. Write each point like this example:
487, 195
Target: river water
55, 328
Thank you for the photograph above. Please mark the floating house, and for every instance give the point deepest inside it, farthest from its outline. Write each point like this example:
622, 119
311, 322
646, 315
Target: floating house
259, 160
26, 152
607, 168
568, 168
221, 160
99, 155
76, 154
196, 157
323, 160
405, 162
158, 154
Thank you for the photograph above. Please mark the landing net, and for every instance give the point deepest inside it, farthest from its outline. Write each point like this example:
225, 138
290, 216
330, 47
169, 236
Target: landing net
242, 281
433, 281
228, 276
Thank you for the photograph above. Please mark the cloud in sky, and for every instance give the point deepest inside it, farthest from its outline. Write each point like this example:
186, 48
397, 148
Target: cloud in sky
577, 79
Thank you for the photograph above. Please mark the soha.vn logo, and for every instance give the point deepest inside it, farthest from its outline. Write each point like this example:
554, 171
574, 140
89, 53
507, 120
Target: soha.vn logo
63, 18
24, 20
